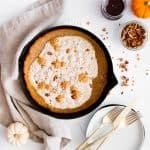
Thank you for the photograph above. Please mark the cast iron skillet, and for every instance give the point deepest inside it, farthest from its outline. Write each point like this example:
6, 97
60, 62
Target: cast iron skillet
111, 77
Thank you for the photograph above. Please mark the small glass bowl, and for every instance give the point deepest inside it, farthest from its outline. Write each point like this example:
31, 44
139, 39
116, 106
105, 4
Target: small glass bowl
107, 15
146, 35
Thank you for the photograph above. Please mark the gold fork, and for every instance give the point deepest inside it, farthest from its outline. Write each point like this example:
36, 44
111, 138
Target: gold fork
107, 119
126, 122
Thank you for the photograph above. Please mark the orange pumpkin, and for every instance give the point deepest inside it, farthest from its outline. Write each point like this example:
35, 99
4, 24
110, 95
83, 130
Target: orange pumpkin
141, 8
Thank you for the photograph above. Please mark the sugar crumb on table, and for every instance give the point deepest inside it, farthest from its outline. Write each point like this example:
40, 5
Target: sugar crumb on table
88, 23
121, 92
104, 30
147, 72
124, 81
137, 57
105, 33
123, 64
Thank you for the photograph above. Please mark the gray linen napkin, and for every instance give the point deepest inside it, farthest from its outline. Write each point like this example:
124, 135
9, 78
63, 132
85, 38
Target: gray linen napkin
35, 18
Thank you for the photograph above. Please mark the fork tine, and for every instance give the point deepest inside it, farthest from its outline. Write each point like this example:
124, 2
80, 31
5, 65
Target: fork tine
133, 115
114, 111
114, 114
132, 118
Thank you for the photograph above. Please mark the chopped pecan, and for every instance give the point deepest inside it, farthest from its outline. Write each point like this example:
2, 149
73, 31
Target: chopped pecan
58, 64
75, 93
55, 44
133, 35
87, 49
49, 53
48, 87
125, 81
59, 98
83, 77
67, 50
41, 61
65, 84
47, 94
55, 78
42, 85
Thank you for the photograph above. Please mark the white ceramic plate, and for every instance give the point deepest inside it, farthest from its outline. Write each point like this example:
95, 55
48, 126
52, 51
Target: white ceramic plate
130, 138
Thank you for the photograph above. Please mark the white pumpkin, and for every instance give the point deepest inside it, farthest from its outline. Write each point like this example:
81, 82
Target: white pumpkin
17, 133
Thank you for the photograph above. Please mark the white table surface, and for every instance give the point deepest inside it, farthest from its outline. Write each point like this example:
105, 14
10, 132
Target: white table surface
79, 12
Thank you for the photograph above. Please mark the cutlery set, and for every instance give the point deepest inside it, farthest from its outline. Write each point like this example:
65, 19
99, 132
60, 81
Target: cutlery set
115, 119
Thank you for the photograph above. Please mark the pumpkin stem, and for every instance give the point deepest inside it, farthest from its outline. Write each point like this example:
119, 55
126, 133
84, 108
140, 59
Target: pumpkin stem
147, 3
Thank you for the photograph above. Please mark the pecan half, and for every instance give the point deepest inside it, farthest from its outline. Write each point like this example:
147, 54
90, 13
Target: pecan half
75, 93
83, 77
65, 84
59, 98
41, 61
58, 64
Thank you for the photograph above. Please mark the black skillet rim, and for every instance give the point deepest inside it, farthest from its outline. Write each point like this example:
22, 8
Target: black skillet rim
112, 81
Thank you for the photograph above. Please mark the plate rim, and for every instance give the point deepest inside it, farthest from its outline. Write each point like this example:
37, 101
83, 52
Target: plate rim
111, 105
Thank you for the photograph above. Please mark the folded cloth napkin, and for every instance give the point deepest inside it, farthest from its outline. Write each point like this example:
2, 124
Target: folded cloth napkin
36, 17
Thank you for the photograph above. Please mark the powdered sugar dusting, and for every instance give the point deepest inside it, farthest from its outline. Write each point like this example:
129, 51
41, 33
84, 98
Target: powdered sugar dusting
79, 59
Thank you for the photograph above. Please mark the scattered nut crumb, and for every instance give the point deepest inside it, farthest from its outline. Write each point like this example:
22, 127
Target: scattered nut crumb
49, 53
146, 73
67, 50
124, 81
88, 22
55, 78
104, 29
47, 94
124, 66
105, 34
138, 57
122, 93
87, 49
120, 59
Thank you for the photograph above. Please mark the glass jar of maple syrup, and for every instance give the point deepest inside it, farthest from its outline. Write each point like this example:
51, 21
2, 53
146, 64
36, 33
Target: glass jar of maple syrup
113, 9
